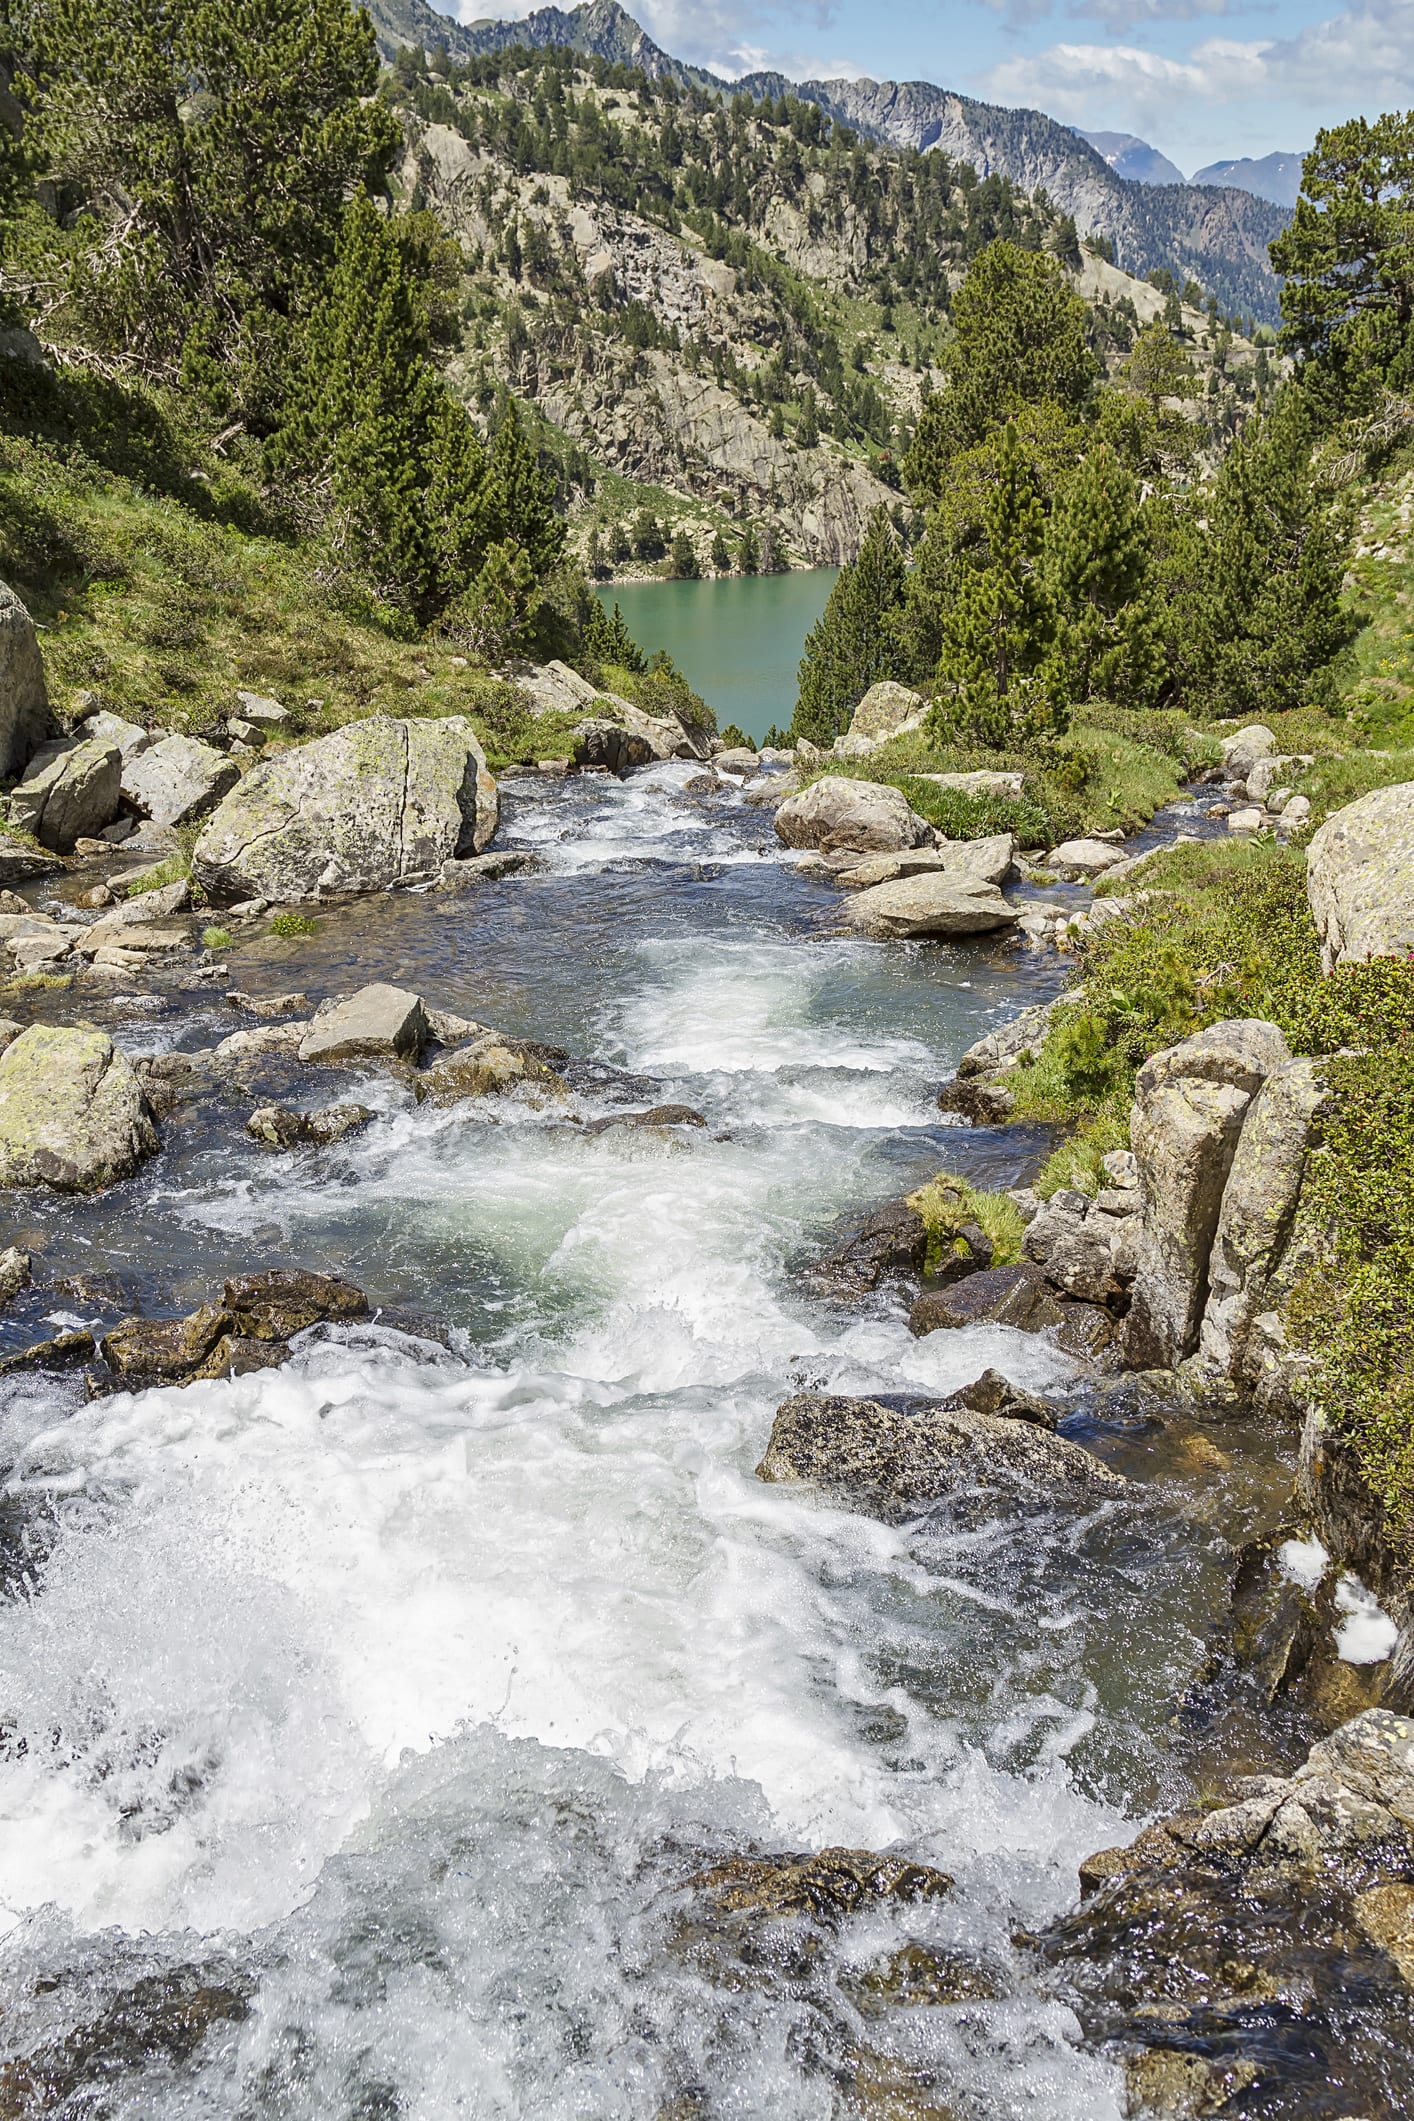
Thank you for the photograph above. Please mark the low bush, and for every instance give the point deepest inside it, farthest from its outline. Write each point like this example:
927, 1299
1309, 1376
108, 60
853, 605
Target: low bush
947, 1202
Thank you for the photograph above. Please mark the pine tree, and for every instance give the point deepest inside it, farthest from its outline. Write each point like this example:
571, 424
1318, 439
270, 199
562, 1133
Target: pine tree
807, 430
852, 644
721, 554
1098, 568
1275, 560
682, 558
748, 552
608, 640
524, 495
998, 633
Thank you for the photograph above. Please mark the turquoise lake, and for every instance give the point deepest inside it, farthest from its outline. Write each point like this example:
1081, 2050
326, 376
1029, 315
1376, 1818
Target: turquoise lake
737, 639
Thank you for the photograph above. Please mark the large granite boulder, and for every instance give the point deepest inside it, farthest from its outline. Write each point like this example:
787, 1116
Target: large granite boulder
380, 1022
72, 1111
835, 812
1190, 1102
1258, 1213
379, 803
946, 902
25, 719
176, 780
1242, 752
885, 709
1360, 878
69, 792
892, 1460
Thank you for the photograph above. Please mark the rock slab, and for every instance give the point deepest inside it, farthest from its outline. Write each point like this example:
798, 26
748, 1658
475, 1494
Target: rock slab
72, 1112
1360, 878
25, 720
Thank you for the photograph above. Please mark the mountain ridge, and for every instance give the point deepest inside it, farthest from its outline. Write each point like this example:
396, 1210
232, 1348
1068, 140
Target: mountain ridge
1217, 235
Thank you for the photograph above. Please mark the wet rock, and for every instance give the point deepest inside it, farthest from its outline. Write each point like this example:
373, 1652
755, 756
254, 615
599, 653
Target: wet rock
947, 903
72, 1112
279, 1127
284, 1301
838, 813
68, 792
488, 1066
25, 719
261, 1040
656, 1116
14, 1274
269, 1004
1086, 1330
63, 1352
1263, 1938
894, 1240
895, 1461
827, 1887
377, 804
490, 868
160, 2019
994, 1393
250, 1329
609, 745
167, 1079
1360, 878
1190, 1103
1018, 1296
1010, 1045
21, 865
378, 1023
980, 1103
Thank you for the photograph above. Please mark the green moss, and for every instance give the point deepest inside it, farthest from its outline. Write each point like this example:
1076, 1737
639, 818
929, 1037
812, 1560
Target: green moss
293, 924
947, 1202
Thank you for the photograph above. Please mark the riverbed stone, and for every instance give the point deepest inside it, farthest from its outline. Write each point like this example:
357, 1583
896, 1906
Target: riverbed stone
489, 1065
890, 1460
1360, 878
177, 780
72, 1112
940, 904
1084, 859
1018, 1296
380, 1022
69, 791
891, 1241
867, 816
377, 804
25, 718
1241, 752
281, 1127
656, 1116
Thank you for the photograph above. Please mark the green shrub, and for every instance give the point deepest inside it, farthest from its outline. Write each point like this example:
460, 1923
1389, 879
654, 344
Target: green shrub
293, 924
947, 1202
216, 939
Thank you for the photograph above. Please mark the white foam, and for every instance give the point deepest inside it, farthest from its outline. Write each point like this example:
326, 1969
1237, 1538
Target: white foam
1367, 1635
1303, 1562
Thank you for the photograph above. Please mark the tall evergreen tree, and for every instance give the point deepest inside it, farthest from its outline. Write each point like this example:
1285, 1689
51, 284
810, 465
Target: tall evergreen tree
998, 634
1271, 616
1098, 569
1020, 338
852, 644
523, 494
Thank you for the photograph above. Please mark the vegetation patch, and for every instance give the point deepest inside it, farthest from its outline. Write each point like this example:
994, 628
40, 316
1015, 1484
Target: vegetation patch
946, 1203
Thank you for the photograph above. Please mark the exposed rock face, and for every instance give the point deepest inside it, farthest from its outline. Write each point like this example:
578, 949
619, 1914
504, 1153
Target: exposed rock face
1017, 1296
891, 1461
885, 709
946, 903
25, 720
1360, 878
176, 780
894, 1240
379, 803
378, 1023
72, 1112
864, 815
1088, 1248
1290, 1907
1258, 1212
69, 792
1189, 1106
610, 745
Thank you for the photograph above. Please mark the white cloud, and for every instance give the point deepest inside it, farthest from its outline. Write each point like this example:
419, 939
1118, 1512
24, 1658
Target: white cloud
1130, 14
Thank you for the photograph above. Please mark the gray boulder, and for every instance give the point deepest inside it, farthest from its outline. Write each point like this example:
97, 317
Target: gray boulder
1018, 1296
263, 713
69, 792
378, 1023
991, 859
72, 1111
1258, 1212
1082, 859
996, 1052
885, 709
891, 1461
838, 813
1006, 785
1242, 752
176, 780
130, 737
379, 803
25, 719
611, 746
1360, 878
944, 903
1190, 1102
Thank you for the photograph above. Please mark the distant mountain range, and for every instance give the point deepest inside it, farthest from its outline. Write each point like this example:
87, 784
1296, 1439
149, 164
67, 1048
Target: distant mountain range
1275, 177
1135, 159
1216, 233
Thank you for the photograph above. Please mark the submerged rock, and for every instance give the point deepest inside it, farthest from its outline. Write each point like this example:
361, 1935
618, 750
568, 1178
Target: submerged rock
890, 1460
826, 1887
838, 813
656, 1116
72, 1112
250, 1329
379, 803
279, 1127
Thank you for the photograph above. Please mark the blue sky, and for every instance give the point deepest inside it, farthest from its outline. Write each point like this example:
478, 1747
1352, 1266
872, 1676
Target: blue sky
1200, 79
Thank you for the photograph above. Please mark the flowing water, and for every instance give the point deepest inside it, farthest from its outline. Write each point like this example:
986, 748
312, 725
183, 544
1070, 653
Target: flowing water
738, 639
389, 1699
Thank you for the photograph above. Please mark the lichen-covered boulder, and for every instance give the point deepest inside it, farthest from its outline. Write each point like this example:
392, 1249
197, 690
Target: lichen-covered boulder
838, 813
885, 709
946, 902
1360, 878
70, 791
72, 1111
25, 719
379, 803
176, 780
